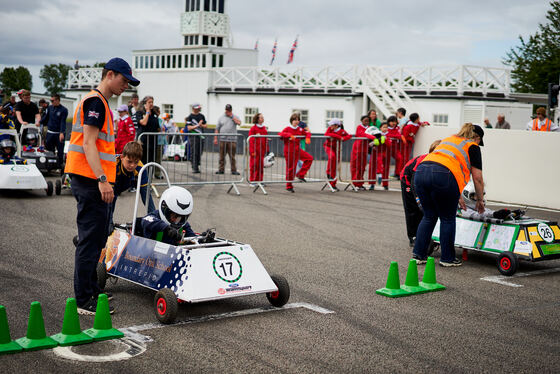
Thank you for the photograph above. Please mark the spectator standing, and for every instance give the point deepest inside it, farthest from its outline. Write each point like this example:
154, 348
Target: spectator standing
227, 124
26, 111
147, 122
408, 137
394, 133
76, 65
373, 120
379, 160
132, 106
502, 123
541, 123
161, 141
293, 152
401, 117
358, 159
6, 122
55, 122
195, 124
336, 135
258, 148
43, 112
487, 123
126, 132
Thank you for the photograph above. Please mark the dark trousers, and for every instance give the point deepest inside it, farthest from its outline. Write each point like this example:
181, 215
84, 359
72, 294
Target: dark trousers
92, 220
53, 142
412, 213
438, 191
230, 148
197, 147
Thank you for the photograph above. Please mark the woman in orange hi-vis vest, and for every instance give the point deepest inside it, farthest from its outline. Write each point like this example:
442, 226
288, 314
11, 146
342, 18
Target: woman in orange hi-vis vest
91, 163
438, 182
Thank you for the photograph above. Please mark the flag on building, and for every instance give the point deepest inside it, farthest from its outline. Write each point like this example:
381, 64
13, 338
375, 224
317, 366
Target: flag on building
257, 45
274, 51
292, 51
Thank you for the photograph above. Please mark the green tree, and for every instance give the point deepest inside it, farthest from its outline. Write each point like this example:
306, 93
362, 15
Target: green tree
536, 61
14, 79
54, 77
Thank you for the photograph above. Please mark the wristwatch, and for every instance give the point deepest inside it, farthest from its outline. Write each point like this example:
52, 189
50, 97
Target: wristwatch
102, 178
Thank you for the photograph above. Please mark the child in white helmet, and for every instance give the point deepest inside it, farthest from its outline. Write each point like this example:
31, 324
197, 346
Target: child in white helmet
469, 196
169, 223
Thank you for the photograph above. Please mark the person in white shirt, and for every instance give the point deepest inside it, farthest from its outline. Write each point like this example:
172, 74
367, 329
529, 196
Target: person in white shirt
541, 123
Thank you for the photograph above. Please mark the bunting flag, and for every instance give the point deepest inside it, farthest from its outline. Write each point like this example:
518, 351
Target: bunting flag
292, 51
274, 51
257, 45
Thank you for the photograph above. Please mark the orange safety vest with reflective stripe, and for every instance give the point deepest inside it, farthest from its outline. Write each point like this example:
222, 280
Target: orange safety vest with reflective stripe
76, 162
546, 126
453, 153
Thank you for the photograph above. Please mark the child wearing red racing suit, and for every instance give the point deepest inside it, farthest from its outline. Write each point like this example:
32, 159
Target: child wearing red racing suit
336, 135
358, 159
293, 153
258, 148
408, 136
379, 159
394, 133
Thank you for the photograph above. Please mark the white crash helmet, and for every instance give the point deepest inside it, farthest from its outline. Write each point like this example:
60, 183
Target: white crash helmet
268, 160
373, 130
469, 195
175, 200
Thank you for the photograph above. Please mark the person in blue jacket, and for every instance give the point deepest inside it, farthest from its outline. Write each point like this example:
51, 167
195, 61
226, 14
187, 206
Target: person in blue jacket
169, 224
55, 120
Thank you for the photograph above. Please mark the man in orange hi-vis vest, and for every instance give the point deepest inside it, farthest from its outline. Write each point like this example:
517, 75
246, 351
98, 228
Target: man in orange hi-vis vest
541, 123
91, 163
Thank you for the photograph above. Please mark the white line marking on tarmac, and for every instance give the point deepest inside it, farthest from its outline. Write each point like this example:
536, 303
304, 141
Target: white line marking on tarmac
502, 279
135, 343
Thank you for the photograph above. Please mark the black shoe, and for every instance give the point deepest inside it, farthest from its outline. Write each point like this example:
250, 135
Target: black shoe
419, 261
335, 189
302, 179
411, 242
219, 172
386, 188
372, 187
109, 296
75, 240
455, 262
196, 171
291, 189
90, 307
234, 173
361, 188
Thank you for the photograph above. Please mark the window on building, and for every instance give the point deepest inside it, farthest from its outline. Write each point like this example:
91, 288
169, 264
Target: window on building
167, 108
203, 61
188, 5
168, 65
174, 61
213, 60
220, 61
249, 113
136, 62
220, 42
220, 6
303, 114
330, 114
214, 5
197, 7
213, 40
206, 5
204, 39
197, 61
440, 119
157, 62
191, 65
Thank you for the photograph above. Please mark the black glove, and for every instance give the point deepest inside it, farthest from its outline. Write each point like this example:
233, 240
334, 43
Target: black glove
501, 214
207, 236
174, 234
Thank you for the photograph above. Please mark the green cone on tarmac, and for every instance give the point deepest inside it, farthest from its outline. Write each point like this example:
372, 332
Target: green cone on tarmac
6, 343
429, 279
71, 332
36, 337
393, 287
411, 283
102, 325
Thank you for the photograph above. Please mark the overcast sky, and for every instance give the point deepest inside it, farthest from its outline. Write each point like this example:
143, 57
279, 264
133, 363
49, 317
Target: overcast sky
331, 32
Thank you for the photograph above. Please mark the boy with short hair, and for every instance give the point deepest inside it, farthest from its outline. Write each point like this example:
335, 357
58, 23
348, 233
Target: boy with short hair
379, 161
336, 135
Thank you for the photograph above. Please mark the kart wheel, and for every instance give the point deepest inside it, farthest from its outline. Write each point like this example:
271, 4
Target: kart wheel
50, 188
101, 275
432, 248
279, 298
177, 158
507, 263
57, 187
166, 305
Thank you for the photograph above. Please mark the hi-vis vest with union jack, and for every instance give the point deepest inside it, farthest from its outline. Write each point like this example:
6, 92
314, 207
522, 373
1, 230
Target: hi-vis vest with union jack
76, 162
453, 153
546, 126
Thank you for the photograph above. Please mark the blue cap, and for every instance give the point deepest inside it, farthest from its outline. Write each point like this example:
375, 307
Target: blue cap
121, 66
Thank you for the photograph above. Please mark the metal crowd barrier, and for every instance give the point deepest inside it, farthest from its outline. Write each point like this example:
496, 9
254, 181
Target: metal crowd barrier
261, 146
371, 164
193, 159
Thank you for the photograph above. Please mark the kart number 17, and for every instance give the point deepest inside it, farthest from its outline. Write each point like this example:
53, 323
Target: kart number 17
227, 267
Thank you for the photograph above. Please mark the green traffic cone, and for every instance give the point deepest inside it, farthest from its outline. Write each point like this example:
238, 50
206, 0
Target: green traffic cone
6, 343
71, 333
429, 279
411, 283
36, 337
392, 288
102, 325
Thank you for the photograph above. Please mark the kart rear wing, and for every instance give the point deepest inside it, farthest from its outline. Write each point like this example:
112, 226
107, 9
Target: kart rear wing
148, 187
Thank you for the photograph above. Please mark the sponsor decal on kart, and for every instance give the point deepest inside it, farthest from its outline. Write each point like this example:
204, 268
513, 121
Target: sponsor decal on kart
20, 169
545, 232
227, 267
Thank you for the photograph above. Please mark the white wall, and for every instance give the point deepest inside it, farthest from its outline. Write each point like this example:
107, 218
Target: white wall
519, 167
277, 109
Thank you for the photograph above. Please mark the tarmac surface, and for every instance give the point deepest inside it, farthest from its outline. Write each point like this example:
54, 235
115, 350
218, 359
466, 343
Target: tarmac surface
335, 251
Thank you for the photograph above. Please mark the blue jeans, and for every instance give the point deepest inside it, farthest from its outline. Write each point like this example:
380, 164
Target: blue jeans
439, 195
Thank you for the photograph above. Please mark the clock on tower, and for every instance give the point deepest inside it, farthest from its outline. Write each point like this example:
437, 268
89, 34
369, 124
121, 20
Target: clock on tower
204, 23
